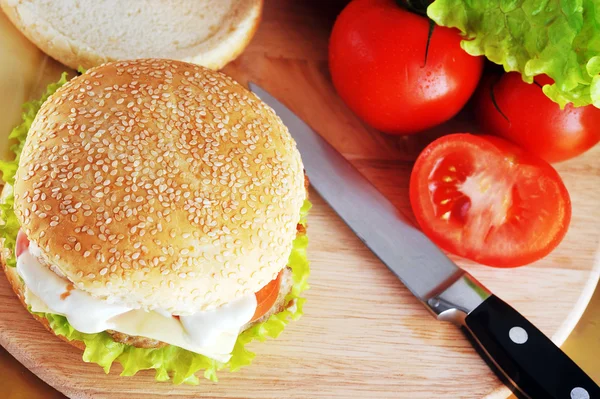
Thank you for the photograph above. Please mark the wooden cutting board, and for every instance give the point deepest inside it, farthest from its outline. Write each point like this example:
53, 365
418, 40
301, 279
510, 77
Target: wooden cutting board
363, 334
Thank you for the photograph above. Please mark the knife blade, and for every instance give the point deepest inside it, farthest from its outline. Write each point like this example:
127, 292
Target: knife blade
419, 264
522, 356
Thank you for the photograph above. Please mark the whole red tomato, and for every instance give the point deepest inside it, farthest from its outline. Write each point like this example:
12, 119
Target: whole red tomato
386, 71
524, 115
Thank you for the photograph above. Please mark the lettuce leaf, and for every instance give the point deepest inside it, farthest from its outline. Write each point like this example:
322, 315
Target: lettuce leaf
554, 37
10, 226
170, 361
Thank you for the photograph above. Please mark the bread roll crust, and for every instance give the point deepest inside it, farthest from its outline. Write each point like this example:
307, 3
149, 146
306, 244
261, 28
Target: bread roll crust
78, 33
160, 184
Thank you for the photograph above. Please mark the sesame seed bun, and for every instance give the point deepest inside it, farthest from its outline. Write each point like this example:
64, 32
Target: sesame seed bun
160, 184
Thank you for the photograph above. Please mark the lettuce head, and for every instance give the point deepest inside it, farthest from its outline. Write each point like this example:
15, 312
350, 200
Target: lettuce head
558, 38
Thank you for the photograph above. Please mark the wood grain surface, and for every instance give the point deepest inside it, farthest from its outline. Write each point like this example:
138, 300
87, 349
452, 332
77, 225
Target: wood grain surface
363, 334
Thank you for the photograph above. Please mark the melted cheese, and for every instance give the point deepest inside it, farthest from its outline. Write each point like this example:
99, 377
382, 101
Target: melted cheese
211, 333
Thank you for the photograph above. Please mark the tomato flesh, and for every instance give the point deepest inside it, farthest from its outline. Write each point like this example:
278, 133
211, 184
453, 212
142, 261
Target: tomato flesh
266, 297
22, 243
483, 198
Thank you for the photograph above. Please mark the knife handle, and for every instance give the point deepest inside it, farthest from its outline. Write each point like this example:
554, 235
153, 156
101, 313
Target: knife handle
529, 361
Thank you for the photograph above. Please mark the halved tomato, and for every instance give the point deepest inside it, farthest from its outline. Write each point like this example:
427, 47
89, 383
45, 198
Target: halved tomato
266, 297
22, 243
485, 199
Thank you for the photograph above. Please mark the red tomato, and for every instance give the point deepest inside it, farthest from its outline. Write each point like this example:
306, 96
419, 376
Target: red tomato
266, 297
533, 121
485, 199
378, 63
22, 243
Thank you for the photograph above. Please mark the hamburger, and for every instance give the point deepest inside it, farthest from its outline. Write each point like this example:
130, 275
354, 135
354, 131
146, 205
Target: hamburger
157, 218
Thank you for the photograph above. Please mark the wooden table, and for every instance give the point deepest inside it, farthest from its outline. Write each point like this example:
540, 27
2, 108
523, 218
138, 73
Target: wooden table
288, 57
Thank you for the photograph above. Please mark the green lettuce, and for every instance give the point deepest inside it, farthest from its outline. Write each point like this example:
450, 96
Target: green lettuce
170, 361
10, 226
559, 38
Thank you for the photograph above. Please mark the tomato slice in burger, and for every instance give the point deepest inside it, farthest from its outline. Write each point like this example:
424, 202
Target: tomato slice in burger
485, 199
22, 243
266, 297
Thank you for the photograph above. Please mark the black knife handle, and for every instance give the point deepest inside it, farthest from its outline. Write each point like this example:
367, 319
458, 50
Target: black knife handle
532, 364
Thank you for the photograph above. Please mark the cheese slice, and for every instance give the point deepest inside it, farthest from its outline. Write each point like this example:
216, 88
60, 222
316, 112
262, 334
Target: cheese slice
211, 333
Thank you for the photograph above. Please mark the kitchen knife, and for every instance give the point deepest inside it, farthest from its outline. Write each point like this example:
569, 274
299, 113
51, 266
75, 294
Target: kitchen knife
522, 355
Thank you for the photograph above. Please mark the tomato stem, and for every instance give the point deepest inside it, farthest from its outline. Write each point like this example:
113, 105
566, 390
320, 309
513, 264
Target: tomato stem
493, 97
420, 7
415, 6
429, 34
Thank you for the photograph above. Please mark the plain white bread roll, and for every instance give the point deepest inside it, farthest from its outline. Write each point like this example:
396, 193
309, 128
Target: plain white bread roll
160, 184
88, 33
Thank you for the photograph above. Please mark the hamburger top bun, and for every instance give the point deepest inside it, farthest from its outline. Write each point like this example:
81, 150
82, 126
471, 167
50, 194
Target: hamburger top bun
160, 185
88, 33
